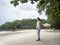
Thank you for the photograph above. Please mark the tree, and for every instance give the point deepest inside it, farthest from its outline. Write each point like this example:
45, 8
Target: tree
20, 24
51, 7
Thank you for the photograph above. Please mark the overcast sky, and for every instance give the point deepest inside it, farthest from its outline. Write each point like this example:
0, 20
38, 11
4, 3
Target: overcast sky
23, 11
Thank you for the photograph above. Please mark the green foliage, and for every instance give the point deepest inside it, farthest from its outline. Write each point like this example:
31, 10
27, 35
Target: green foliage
20, 24
16, 2
51, 7
52, 11
44, 21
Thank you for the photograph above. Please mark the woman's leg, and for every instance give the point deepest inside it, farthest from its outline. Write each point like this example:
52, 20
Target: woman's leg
38, 34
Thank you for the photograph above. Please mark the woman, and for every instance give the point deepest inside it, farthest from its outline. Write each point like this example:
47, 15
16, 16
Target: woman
38, 27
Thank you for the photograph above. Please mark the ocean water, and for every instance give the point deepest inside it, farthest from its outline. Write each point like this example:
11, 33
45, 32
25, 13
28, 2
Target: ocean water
4, 33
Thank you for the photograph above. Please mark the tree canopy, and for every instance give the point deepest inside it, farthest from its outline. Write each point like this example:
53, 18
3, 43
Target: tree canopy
51, 8
20, 24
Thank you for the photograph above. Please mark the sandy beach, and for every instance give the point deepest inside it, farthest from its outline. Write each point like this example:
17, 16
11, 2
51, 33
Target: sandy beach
28, 37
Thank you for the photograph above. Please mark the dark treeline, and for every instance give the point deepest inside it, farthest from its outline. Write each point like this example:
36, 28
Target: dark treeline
20, 24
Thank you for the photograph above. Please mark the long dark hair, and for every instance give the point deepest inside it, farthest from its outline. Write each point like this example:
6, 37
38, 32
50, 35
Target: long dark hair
38, 18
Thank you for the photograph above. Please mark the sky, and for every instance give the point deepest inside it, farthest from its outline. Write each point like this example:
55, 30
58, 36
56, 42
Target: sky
10, 13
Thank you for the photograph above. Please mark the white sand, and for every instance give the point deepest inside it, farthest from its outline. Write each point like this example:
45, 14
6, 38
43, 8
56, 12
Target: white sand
29, 37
